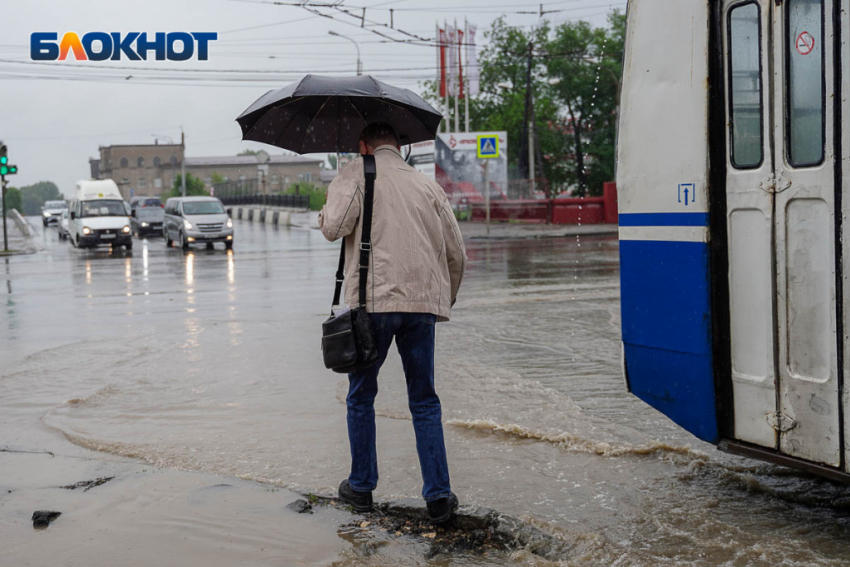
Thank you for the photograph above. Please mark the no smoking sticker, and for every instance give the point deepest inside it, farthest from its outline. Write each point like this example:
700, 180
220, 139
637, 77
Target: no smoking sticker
805, 43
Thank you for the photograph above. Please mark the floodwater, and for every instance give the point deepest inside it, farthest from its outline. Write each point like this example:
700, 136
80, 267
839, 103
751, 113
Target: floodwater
210, 361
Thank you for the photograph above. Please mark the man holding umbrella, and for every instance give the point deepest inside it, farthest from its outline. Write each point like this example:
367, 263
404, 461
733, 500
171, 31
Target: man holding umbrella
417, 263
416, 258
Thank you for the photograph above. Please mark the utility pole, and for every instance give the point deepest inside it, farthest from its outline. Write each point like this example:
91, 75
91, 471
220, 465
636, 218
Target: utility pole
183, 163
5, 234
466, 66
525, 149
356, 46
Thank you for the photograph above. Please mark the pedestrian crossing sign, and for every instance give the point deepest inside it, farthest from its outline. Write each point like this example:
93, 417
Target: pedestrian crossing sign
488, 146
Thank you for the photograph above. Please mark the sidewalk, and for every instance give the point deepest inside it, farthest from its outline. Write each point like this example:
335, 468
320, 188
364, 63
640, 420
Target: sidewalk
18, 243
519, 231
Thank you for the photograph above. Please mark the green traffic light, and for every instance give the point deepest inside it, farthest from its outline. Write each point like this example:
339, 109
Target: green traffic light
4, 170
13, 169
4, 160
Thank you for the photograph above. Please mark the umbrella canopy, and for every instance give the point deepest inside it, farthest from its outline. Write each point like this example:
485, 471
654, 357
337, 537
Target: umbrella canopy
326, 114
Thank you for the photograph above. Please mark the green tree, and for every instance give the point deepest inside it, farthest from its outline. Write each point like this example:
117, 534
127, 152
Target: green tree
332, 161
586, 65
217, 178
575, 77
194, 187
14, 200
33, 196
504, 76
318, 195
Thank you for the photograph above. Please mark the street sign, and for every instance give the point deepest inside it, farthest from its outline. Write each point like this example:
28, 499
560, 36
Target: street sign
488, 146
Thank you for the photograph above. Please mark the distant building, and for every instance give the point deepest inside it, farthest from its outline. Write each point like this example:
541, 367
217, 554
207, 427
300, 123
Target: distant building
139, 169
94, 164
150, 169
283, 170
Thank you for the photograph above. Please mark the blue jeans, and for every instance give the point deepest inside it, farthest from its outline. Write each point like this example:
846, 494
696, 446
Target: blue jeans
414, 337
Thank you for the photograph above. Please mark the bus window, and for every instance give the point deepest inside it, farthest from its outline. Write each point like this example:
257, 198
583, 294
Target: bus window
745, 86
805, 82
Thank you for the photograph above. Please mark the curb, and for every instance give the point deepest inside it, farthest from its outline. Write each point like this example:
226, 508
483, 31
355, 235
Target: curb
543, 236
510, 532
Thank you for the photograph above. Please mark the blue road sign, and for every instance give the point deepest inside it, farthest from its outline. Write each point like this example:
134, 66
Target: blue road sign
488, 146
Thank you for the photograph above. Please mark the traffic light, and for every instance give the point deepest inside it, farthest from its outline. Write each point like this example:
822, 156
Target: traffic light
5, 168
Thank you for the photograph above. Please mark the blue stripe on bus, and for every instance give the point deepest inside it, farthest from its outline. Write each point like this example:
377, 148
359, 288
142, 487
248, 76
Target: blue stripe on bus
664, 219
666, 321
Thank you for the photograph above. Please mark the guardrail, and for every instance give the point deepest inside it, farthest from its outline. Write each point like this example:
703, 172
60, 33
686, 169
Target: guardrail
291, 201
22, 223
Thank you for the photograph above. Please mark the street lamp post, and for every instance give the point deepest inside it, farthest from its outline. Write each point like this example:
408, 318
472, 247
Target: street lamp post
359, 64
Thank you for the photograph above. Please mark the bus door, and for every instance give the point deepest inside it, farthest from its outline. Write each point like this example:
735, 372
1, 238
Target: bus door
781, 226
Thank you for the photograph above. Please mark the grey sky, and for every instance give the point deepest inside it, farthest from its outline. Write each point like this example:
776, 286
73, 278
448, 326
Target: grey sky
56, 115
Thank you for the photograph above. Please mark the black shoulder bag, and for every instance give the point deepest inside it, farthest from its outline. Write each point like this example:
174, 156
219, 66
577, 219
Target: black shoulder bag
348, 344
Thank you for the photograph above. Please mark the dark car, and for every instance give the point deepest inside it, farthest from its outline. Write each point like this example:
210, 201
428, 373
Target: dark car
137, 202
145, 221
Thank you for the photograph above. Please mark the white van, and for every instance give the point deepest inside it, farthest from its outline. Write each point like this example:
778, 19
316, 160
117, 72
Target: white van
99, 216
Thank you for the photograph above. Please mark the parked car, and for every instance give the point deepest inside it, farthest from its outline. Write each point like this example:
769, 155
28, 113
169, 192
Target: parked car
62, 225
146, 220
190, 220
52, 210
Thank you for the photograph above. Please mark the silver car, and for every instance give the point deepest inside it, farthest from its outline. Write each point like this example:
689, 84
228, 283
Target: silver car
62, 226
192, 220
52, 211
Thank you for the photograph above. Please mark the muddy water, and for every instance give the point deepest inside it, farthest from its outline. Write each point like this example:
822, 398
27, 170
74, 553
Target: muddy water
210, 362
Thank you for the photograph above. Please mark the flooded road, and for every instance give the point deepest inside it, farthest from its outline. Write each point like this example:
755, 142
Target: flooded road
210, 361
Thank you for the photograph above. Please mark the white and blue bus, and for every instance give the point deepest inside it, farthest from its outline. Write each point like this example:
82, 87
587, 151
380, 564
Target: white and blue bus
733, 162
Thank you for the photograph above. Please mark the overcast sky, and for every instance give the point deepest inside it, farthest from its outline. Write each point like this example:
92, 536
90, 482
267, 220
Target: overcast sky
55, 115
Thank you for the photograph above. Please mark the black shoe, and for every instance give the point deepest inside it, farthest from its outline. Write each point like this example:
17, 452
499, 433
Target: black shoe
441, 510
362, 501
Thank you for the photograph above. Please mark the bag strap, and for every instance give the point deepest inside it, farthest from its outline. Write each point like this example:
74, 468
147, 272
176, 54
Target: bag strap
370, 172
340, 276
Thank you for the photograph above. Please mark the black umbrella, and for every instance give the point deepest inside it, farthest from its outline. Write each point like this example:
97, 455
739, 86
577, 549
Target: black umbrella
325, 114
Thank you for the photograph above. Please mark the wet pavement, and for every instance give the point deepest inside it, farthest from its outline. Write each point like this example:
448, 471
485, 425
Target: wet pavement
210, 361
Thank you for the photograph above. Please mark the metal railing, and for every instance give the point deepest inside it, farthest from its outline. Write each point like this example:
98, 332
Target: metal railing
291, 201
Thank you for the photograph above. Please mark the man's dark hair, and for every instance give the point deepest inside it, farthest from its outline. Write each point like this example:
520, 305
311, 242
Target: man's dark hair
379, 133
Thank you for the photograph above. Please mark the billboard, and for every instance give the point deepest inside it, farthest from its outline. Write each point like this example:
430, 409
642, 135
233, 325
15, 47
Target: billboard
422, 158
461, 173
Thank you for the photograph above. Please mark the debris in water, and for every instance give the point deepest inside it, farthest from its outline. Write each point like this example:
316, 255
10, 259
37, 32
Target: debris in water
301, 507
87, 485
43, 518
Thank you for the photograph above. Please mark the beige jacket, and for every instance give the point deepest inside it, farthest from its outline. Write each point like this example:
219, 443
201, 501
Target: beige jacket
418, 257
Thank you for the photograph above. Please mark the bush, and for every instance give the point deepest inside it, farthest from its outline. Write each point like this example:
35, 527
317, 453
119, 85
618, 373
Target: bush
318, 195
14, 200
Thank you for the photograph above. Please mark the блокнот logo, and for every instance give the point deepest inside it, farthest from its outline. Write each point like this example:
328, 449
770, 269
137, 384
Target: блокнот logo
135, 46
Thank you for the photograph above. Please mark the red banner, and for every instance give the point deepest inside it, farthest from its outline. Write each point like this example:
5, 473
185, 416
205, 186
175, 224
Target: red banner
461, 81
